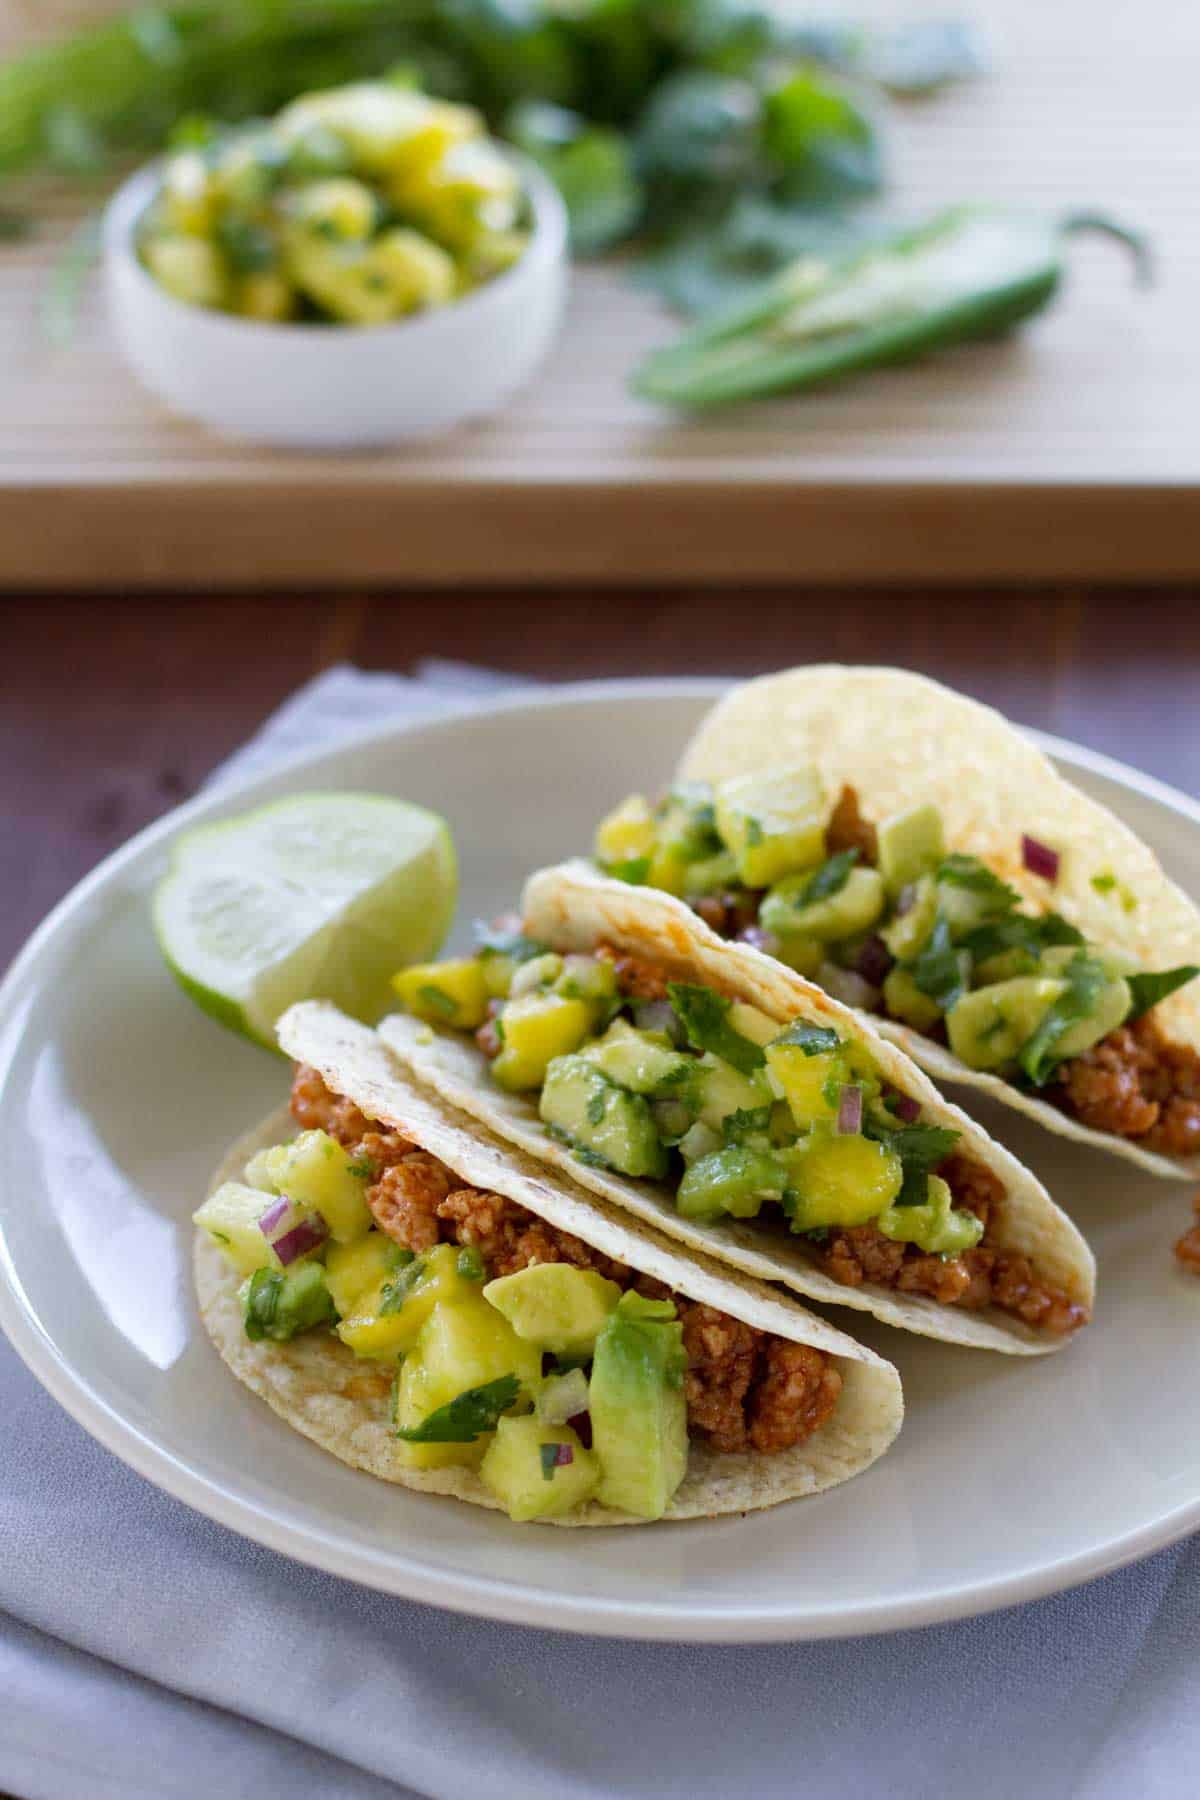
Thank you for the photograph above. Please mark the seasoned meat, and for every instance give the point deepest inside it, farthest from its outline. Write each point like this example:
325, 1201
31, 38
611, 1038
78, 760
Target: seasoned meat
406, 1198
745, 1388
730, 913
316, 1109
721, 1355
796, 1391
637, 977
984, 1276
1136, 1084
848, 830
1188, 1247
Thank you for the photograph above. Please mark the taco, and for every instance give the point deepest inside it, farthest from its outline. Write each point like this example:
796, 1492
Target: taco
431, 1305
914, 854
718, 1096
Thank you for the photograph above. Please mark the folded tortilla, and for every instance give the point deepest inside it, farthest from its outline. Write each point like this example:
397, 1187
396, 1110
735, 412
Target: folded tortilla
341, 1402
573, 908
902, 740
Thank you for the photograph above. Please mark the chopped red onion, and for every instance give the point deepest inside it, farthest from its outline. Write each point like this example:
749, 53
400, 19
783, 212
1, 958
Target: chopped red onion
290, 1230
1039, 859
581, 1425
563, 1455
763, 940
850, 1110
874, 960
906, 1108
488, 1039
659, 1015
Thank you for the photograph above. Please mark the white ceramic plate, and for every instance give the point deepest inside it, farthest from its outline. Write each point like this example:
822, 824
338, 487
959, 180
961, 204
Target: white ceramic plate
1010, 1479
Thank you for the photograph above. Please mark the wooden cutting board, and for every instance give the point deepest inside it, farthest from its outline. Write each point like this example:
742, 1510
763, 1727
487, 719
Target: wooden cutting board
1071, 451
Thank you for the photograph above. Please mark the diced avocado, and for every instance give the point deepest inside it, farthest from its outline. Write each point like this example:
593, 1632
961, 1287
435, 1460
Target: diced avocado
1009, 963
388, 1318
697, 1141
840, 1180
463, 1345
905, 1001
555, 1306
854, 907
315, 1171
627, 835
230, 1217
1115, 963
911, 844
642, 1061
279, 1303
774, 823
803, 954
908, 933
352, 1270
987, 1028
937, 1226
638, 1408
736, 1180
723, 1090
810, 1083
687, 822
711, 874
534, 1030
445, 993
1110, 1009
589, 978
538, 1471
668, 870
964, 909
606, 1121
750, 1023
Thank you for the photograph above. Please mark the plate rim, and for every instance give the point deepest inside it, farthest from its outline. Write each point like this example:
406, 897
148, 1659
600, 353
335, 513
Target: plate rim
396, 1572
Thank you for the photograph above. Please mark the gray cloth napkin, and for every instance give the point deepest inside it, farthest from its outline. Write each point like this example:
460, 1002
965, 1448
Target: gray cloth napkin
149, 1654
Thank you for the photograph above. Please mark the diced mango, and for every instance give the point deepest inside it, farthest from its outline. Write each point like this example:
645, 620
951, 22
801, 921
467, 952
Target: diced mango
810, 1084
555, 1306
230, 1217
534, 1030
352, 1270
315, 1170
461, 1346
841, 1180
773, 823
454, 992
388, 1319
538, 1471
627, 834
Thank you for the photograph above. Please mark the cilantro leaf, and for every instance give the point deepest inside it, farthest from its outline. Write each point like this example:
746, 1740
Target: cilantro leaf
634, 870
705, 1018
1019, 932
409, 1273
968, 872
1148, 990
467, 1416
1085, 977
828, 880
941, 971
814, 1040
921, 1148
746, 1122
440, 1002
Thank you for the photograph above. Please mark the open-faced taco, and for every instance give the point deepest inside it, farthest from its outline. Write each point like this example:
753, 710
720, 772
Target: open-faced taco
717, 1095
919, 858
431, 1305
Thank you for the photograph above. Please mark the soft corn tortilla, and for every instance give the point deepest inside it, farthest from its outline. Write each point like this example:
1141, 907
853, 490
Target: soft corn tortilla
317, 1385
573, 908
902, 740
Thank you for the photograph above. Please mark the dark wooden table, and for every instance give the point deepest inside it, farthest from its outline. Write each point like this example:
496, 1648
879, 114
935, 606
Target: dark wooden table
113, 710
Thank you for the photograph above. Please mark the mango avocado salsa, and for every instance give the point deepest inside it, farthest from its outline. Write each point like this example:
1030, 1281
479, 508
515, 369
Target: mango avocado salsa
355, 206
885, 918
709, 1095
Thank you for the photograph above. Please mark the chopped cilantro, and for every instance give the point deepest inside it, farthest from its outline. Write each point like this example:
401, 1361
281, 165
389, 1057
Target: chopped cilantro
466, 1417
746, 1122
597, 1103
591, 1159
968, 872
754, 832
705, 1018
1148, 990
1105, 882
921, 1148
941, 971
395, 1293
828, 880
634, 870
1085, 977
814, 1040
470, 1263
440, 1002
1019, 932
364, 1169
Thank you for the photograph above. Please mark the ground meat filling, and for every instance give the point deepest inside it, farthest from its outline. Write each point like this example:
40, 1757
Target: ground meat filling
746, 1389
848, 830
1134, 1084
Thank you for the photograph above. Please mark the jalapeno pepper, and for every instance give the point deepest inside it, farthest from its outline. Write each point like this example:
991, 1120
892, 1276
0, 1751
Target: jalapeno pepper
969, 273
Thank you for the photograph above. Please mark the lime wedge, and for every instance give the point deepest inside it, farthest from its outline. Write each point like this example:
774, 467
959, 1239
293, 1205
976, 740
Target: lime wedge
322, 896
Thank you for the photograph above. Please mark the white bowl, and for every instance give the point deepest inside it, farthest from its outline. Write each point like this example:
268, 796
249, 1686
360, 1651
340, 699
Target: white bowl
329, 387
